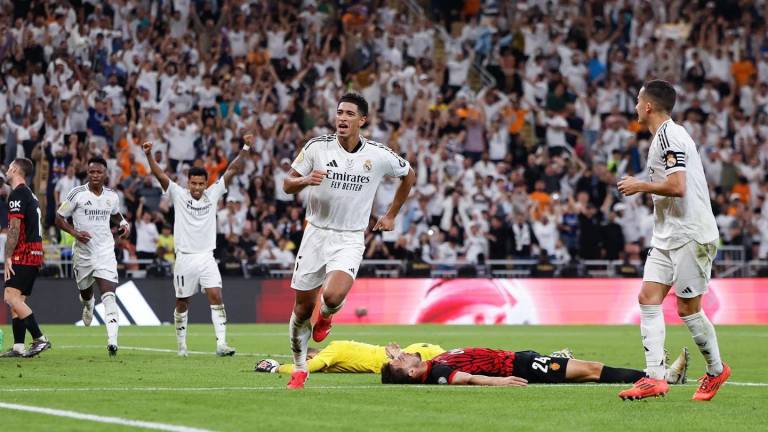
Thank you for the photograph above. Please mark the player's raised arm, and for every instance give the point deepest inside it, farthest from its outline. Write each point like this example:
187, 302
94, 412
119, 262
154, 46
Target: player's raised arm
158, 172
463, 378
387, 222
236, 164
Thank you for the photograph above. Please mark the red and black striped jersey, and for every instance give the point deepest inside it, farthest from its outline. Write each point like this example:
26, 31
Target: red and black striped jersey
23, 205
475, 361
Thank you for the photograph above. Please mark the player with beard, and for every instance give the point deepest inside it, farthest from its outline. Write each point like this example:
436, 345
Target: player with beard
493, 367
23, 258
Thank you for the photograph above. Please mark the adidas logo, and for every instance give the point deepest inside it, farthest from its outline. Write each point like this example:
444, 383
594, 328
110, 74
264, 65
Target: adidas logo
687, 290
332, 164
88, 202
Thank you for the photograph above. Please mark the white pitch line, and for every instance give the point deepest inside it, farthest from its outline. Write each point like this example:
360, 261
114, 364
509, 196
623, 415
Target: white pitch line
101, 419
166, 350
324, 387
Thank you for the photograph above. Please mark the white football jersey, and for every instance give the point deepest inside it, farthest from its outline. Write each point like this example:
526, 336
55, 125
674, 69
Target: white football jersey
679, 220
194, 225
344, 199
91, 213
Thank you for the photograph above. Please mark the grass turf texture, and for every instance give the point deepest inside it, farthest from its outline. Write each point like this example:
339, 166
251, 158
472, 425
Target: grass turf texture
224, 394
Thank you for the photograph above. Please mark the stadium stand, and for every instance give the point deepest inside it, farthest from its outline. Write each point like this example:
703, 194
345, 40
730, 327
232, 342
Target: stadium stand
517, 116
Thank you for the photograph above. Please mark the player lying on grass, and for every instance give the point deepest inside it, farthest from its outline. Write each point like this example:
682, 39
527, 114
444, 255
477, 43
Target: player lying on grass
350, 357
490, 367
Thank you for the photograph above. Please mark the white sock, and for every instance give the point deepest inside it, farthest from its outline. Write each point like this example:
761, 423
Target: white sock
653, 331
219, 320
111, 316
180, 321
704, 335
90, 302
299, 332
19, 348
326, 311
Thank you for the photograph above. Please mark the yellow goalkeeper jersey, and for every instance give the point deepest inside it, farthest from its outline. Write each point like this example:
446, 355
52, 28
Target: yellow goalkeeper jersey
358, 357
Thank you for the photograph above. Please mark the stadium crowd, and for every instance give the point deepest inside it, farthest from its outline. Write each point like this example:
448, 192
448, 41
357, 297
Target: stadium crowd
522, 163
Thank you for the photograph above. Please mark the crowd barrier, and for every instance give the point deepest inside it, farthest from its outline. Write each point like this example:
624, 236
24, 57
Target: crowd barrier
417, 301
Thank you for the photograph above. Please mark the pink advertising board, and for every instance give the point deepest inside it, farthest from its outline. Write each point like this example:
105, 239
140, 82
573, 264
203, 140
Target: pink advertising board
518, 301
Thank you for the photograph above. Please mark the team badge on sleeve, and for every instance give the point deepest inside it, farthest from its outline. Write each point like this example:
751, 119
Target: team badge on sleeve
670, 159
300, 157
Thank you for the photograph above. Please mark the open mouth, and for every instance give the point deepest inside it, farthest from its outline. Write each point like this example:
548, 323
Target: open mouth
343, 126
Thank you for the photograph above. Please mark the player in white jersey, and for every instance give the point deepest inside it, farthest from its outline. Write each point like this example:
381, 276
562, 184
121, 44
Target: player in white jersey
194, 230
684, 244
94, 209
344, 170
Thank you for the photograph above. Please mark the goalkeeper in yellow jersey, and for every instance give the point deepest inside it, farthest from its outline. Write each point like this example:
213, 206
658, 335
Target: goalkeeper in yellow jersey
350, 357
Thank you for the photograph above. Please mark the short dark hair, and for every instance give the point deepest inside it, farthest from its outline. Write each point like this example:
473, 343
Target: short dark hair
97, 160
662, 94
197, 171
25, 165
357, 99
393, 375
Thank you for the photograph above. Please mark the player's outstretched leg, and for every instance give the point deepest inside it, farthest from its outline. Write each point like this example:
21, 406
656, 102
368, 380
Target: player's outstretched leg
300, 330
337, 286
704, 335
653, 333
180, 314
39, 342
219, 320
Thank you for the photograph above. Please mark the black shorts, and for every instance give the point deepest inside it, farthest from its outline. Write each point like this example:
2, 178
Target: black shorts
23, 278
538, 368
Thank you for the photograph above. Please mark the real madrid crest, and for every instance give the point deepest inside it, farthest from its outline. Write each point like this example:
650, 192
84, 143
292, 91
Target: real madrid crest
368, 165
670, 159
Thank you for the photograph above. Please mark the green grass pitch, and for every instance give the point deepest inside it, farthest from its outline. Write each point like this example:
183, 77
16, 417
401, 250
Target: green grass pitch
224, 394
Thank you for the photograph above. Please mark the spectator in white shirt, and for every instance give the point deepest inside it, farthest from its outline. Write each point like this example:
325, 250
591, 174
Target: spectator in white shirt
146, 234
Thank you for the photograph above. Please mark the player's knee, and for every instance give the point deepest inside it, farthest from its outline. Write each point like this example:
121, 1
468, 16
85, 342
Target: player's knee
9, 299
333, 300
595, 370
686, 308
214, 297
303, 311
182, 305
645, 298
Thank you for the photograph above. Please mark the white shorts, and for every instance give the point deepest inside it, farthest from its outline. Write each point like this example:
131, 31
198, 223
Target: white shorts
323, 251
192, 273
688, 268
86, 271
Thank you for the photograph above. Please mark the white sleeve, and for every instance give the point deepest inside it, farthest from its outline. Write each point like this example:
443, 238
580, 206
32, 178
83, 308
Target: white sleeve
395, 166
672, 150
173, 189
217, 190
305, 161
115, 205
68, 205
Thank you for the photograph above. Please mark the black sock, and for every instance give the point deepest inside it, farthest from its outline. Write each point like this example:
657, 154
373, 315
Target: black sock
620, 375
19, 330
32, 326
